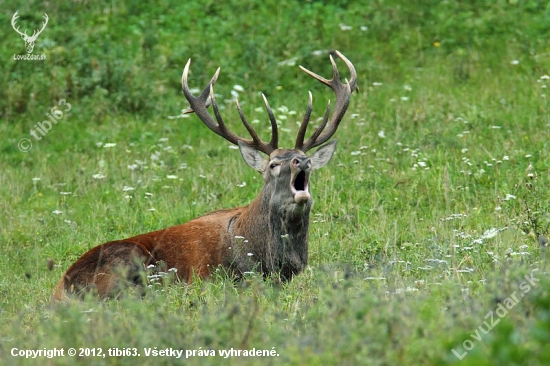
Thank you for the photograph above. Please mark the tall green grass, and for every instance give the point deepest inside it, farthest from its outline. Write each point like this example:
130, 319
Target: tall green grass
429, 216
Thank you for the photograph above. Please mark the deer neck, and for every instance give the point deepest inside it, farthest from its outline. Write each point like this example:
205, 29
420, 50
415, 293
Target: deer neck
276, 232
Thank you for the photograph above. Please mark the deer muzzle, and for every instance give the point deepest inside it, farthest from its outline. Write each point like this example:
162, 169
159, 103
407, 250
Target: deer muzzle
299, 184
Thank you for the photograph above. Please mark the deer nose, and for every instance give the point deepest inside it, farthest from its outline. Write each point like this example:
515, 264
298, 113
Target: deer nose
302, 162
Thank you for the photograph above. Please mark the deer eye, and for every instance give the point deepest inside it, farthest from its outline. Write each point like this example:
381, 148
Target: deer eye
274, 165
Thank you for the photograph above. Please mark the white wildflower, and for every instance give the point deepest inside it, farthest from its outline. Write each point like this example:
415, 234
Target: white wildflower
490, 233
344, 27
319, 52
289, 62
155, 156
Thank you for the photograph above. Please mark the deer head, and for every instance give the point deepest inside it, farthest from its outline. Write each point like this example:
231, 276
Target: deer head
286, 170
29, 41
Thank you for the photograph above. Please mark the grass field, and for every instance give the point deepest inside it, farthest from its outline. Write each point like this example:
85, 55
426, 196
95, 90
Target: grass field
428, 235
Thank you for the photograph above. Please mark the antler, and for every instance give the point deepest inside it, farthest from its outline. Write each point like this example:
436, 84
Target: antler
206, 98
13, 19
342, 92
36, 33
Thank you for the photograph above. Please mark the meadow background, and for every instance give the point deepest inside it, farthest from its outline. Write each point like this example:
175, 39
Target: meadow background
432, 211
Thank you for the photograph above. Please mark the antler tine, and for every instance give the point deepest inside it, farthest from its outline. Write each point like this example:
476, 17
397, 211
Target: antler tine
342, 92
274, 130
223, 128
323, 124
190, 110
249, 128
200, 104
43, 23
303, 127
13, 20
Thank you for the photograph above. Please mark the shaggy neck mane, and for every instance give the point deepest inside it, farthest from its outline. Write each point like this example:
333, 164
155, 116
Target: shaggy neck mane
276, 234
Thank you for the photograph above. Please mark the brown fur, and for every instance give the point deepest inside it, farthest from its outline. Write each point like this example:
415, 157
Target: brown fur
191, 248
269, 236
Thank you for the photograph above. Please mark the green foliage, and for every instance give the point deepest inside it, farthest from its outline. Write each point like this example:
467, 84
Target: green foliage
429, 215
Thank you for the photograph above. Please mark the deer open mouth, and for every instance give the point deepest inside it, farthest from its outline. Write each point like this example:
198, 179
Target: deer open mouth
299, 188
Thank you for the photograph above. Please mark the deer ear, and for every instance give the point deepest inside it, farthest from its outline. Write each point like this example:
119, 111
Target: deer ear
322, 156
252, 157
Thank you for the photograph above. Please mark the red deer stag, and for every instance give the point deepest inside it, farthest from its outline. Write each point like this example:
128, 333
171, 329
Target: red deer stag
269, 236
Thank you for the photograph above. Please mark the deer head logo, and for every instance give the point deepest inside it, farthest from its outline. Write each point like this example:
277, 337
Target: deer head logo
29, 41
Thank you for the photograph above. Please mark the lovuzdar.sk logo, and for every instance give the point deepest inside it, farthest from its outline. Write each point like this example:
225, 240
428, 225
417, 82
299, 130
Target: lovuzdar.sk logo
29, 40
